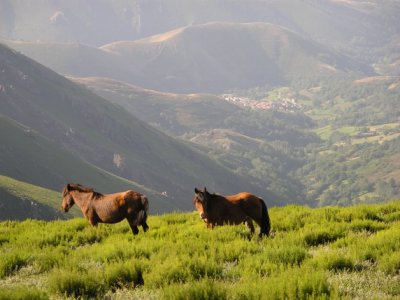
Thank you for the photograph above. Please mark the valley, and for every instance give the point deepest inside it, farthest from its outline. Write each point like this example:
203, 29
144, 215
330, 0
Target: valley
264, 101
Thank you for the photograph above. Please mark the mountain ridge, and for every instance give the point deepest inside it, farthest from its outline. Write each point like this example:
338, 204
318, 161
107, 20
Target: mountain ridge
212, 57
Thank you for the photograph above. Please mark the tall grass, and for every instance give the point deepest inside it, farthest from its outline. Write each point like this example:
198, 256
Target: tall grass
22, 293
310, 256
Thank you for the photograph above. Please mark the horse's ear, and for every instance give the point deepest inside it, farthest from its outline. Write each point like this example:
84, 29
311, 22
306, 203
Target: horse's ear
205, 190
196, 190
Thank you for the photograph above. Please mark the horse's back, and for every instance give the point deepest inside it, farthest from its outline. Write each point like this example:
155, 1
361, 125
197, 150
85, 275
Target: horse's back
243, 197
250, 204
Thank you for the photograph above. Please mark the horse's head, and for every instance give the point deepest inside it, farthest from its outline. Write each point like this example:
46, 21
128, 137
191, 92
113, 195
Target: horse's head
68, 200
202, 202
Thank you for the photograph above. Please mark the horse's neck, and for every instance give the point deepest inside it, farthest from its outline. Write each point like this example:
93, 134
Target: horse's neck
218, 201
83, 200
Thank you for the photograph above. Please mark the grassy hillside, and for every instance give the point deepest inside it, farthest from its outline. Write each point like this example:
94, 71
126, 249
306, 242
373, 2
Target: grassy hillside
325, 253
20, 193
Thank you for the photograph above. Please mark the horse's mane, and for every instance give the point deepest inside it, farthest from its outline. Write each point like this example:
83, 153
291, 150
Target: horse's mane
80, 188
216, 196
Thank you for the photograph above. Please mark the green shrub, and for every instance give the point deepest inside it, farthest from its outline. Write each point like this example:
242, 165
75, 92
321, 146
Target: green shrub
361, 212
287, 256
3, 240
385, 241
296, 283
367, 225
392, 217
390, 263
49, 258
22, 293
86, 237
11, 263
123, 275
167, 274
291, 217
75, 284
201, 267
321, 237
203, 290
333, 261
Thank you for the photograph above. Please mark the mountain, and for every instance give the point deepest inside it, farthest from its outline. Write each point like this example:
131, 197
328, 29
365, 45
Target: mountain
69, 21
215, 57
28, 156
212, 57
106, 136
335, 22
176, 114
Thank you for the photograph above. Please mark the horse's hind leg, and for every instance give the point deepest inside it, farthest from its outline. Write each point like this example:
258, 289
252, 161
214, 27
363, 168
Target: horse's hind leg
145, 226
133, 226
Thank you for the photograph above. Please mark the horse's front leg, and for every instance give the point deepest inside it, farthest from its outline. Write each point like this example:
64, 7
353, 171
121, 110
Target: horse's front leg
93, 221
250, 225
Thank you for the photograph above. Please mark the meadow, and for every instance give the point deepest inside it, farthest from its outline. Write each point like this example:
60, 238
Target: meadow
321, 253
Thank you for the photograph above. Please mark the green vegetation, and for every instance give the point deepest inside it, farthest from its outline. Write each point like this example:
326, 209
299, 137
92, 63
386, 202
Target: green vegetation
324, 253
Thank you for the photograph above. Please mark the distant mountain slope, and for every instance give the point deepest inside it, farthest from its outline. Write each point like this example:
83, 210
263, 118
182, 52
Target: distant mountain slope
69, 21
176, 114
331, 21
218, 56
105, 135
212, 57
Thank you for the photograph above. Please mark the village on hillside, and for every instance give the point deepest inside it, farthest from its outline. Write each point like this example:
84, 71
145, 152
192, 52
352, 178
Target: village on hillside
282, 104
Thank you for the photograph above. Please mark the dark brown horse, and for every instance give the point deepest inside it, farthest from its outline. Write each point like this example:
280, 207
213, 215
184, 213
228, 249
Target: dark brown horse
109, 208
244, 207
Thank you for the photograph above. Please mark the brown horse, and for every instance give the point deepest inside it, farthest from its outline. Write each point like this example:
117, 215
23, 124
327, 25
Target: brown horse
109, 208
244, 207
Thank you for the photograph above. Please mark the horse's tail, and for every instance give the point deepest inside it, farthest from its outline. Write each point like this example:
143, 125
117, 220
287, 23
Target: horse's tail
265, 221
145, 203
